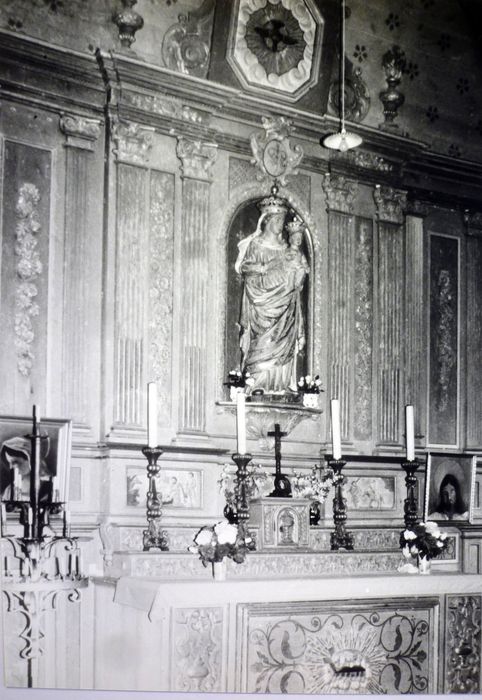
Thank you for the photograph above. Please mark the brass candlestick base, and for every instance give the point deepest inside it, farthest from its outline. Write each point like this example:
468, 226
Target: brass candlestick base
340, 538
410, 506
153, 537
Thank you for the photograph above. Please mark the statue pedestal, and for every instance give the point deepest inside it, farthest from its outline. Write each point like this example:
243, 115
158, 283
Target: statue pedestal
262, 416
281, 522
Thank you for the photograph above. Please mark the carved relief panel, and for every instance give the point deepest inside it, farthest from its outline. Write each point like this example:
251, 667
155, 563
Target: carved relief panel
326, 648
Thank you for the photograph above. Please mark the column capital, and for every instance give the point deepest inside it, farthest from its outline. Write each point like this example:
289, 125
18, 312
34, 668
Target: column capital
415, 207
133, 142
390, 203
80, 132
197, 158
340, 193
473, 221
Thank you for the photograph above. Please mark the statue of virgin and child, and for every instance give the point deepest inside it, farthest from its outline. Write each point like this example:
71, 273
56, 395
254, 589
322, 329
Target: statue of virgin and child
273, 268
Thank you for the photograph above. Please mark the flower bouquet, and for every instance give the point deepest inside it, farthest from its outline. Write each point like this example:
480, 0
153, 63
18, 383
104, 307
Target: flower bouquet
215, 542
316, 484
238, 381
424, 542
309, 387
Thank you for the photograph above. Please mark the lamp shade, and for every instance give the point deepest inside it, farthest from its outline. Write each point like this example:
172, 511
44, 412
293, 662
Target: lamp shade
342, 141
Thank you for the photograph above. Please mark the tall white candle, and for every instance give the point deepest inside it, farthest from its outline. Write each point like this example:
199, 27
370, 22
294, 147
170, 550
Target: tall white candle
152, 415
335, 428
30, 516
409, 433
241, 422
36, 413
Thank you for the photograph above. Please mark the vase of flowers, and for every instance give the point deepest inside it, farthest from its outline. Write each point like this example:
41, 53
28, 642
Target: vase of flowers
423, 543
238, 381
309, 387
215, 542
314, 485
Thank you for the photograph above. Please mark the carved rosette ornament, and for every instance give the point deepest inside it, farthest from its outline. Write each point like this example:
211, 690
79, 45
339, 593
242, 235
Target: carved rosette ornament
275, 46
28, 268
390, 204
197, 158
133, 142
81, 132
273, 152
129, 22
340, 193
366, 160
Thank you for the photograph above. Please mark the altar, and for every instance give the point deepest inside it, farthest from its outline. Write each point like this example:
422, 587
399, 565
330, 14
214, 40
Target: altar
365, 633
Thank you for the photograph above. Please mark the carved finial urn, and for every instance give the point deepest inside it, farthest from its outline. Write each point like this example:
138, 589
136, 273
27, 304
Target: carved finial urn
129, 22
393, 62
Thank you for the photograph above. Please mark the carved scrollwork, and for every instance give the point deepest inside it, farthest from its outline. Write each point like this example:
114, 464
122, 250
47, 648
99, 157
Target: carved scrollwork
390, 204
273, 152
81, 132
186, 44
364, 653
340, 193
445, 343
357, 96
463, 644
28, 268
198, 636
167, 107
197, 158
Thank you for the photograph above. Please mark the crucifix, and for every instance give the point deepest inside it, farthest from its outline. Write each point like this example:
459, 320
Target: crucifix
282, 486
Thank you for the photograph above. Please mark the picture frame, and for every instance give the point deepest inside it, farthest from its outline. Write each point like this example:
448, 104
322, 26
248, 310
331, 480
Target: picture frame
449, 487
55, 452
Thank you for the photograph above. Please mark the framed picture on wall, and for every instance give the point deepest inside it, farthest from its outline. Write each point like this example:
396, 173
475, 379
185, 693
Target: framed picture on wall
15, 456
449, 487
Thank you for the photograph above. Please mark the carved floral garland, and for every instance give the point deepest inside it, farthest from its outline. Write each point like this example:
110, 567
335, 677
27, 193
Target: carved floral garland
28, 268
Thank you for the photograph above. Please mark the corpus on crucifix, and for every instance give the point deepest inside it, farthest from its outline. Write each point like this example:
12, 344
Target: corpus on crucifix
282, 486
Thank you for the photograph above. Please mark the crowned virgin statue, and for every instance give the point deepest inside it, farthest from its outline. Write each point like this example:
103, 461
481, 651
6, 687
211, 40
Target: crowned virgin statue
273, 269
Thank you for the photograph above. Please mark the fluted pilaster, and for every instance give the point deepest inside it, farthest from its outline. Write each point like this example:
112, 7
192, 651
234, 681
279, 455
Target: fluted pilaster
80, 137
340, 196
474, 335
132, 150
415, 334
196, 159
389, 344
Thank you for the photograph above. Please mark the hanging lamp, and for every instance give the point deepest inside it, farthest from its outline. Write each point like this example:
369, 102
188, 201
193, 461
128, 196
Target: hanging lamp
343, 140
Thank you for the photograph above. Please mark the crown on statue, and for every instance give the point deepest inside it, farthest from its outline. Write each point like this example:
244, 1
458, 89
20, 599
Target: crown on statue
295, 225
273, 204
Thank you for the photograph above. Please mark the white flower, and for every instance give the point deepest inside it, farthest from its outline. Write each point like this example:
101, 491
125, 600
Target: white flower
193, 549
204, 537
409, 535
431, 527
440, 544
249, 381
226, 533
414, 549
308, 378
406, 552
443, 536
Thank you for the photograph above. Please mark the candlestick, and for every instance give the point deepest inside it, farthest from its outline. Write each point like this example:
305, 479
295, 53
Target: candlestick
241, 422
152, 415
339, 538
3, 519
335, 428
409, 433
55, 489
